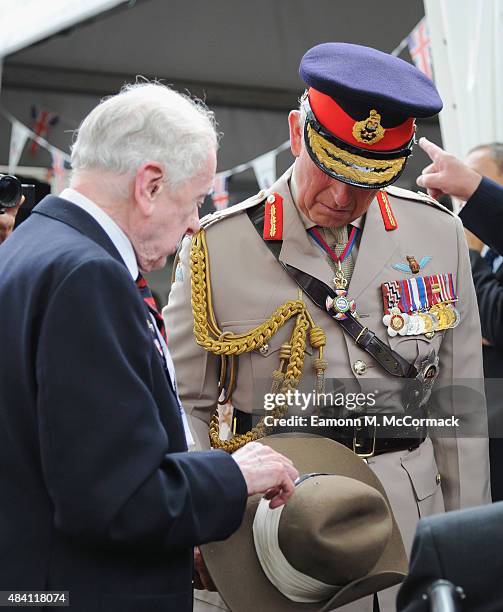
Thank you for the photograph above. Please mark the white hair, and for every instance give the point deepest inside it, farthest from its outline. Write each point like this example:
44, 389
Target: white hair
146, 122
302, 113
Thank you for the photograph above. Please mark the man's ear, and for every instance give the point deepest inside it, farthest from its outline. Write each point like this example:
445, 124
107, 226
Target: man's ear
295, 132
148, 184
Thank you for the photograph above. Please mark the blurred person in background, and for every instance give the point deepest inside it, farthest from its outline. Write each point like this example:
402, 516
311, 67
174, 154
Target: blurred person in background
483, 168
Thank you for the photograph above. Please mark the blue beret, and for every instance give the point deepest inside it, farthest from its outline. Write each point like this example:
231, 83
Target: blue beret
360, 78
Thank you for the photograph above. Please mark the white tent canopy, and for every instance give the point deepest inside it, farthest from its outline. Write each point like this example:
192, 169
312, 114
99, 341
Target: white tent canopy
241, 56
24, 22
467, 44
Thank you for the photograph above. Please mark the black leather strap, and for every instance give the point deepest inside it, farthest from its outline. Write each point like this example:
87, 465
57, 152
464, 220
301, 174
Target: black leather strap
317, 291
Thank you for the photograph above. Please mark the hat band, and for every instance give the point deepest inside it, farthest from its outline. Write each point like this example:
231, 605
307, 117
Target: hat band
354, 167
404, 151
291, 583
338, 123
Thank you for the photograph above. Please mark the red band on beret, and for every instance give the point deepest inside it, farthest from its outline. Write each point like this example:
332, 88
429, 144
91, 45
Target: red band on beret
340, 124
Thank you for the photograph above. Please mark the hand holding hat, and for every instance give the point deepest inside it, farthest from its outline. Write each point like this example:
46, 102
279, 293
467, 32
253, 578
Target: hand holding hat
266, 471
334, 542
446, 174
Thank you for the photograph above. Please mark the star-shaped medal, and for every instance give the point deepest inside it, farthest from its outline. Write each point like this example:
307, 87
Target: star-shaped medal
341, 305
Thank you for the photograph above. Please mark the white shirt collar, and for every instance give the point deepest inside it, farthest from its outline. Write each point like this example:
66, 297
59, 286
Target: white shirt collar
113, 231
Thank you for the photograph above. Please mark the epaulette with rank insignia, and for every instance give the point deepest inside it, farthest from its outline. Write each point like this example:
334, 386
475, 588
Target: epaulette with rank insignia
416, 196
219, 215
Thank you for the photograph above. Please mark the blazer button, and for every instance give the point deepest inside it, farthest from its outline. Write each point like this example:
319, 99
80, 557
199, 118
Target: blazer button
438, 479
359, 367
263, 350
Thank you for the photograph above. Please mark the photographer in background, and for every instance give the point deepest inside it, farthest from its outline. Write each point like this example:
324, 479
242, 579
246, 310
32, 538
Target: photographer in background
7, 220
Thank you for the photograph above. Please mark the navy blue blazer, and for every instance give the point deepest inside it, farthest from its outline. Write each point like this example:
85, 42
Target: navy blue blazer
483, 213
463, 547
98, 495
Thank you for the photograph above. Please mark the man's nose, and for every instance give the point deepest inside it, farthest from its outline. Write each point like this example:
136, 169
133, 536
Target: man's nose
341, 192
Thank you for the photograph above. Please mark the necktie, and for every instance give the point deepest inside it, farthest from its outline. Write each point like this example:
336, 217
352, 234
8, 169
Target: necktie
148, 298
337, 238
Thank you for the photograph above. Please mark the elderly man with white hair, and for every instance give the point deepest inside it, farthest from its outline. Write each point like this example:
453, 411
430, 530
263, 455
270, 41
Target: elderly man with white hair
101, 502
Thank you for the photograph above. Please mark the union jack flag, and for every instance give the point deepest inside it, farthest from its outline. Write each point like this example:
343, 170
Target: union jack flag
43, 120
419, 43
219, 194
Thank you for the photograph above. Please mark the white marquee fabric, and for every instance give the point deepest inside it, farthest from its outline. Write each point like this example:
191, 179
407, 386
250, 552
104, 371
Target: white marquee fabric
467, 44
24, 22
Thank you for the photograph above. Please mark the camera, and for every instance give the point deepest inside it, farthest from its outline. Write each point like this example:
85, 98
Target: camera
12, 190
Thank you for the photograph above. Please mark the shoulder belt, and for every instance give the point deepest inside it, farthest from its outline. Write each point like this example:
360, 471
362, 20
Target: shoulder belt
317, 291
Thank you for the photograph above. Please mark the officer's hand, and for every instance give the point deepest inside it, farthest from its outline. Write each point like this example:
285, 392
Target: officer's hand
266, 471
447, 174
202, 579
7, 221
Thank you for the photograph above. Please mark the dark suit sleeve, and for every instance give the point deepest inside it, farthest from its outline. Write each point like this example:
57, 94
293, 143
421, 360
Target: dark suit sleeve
483, 214
424, 568
106, 456
489, 292
463, 547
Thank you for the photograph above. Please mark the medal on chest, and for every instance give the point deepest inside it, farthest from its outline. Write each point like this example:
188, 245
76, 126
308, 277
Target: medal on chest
342, 305
420, 305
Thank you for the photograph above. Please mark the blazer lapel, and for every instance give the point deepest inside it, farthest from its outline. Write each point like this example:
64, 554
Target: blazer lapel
66, 212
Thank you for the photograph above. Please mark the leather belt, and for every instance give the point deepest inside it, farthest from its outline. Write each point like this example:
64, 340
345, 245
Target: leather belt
362, 441
317, 291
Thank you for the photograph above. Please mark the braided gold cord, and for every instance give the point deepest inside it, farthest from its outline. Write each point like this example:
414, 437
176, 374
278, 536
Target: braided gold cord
212, 339
205, 324
372, 172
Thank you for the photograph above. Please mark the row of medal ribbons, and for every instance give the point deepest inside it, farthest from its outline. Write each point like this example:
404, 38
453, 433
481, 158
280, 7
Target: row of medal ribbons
420, 305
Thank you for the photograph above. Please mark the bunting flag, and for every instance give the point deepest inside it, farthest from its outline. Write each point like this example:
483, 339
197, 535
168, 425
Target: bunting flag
264, 167
43, 120
419, 43
18, 137
220, 195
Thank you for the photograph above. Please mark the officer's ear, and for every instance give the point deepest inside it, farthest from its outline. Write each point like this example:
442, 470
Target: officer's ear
295, 132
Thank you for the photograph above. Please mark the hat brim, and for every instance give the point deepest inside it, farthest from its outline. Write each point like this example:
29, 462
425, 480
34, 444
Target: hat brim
234, 566
348, 167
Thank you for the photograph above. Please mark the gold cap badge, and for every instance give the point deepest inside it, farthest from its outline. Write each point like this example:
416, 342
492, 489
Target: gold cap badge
370, 130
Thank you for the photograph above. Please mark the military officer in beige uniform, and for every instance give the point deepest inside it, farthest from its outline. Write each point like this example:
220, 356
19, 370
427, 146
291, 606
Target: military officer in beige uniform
395, 262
